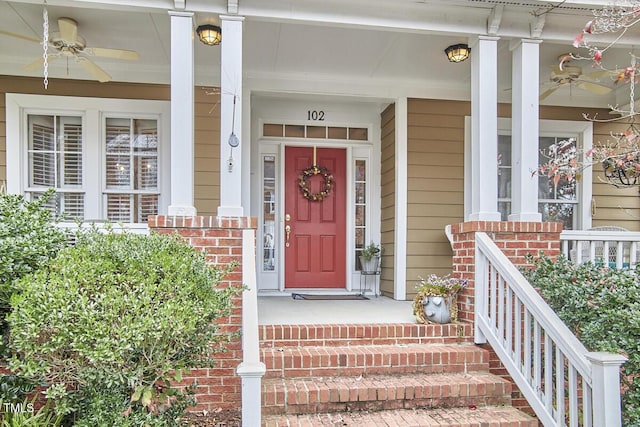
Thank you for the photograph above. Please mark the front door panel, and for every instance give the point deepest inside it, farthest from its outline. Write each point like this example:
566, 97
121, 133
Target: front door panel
316, 253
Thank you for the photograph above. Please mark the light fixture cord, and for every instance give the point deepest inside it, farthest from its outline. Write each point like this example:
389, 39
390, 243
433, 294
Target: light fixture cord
233, 129
233, 116
45, 44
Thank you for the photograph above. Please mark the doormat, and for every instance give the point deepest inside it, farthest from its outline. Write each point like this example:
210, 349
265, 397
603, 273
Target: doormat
328, 297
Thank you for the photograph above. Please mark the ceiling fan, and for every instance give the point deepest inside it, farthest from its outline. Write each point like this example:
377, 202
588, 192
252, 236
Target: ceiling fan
68, 43
563, 74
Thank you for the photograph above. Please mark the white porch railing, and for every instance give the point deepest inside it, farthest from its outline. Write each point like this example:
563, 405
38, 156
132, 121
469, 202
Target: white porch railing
613, 248
563, 382
141, 228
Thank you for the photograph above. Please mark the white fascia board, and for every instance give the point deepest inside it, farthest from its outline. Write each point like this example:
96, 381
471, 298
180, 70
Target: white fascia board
578, 3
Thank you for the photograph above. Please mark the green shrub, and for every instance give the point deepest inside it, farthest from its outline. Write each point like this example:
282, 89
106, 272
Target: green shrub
28, 239
602, 307
116, 318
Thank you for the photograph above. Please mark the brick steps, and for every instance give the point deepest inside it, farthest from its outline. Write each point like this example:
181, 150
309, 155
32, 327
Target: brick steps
504, 416
372, 360
382, 375
312, 395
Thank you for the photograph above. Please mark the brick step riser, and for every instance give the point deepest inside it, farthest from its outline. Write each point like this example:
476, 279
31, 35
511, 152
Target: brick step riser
344, 371
354, 361
380, 393
273, 336
385, 405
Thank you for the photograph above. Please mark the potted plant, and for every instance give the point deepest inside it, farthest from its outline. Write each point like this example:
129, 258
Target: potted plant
435, 301
370, 258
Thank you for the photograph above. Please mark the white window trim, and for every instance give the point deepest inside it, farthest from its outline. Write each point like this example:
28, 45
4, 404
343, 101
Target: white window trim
93, 111
583, 131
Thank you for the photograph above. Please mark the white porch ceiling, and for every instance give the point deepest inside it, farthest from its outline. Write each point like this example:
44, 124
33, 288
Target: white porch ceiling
374, 48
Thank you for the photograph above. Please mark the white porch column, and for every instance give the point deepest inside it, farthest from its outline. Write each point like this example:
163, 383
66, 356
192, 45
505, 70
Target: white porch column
484, 130
182, 81
524, 131
231, 101
400, 238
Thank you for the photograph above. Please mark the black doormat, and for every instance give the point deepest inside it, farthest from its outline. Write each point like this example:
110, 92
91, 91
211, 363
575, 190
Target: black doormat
328, 297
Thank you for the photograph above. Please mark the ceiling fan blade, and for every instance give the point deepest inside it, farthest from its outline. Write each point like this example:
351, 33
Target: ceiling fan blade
596, 88
112, 53
91, 67
599, 74
20, 36
548, 92
68, 29
38, 63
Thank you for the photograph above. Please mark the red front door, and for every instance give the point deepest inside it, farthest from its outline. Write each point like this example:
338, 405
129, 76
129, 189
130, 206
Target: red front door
316, 253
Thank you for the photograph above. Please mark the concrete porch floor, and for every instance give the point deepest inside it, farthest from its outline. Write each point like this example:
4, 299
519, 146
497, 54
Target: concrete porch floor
284, 310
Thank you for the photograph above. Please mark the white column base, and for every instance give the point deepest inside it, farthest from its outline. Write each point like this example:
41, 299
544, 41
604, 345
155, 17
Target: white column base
251, 375
485, 216
526, 217
230, 211
181, 211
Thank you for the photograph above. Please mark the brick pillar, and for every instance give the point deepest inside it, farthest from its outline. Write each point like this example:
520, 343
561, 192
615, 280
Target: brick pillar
221, 239
516, 240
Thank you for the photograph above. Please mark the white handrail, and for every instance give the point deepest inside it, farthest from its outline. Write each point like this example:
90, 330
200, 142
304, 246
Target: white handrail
540, 353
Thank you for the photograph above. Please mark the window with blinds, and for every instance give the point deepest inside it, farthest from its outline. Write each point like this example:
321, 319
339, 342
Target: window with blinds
131, 169
55, 161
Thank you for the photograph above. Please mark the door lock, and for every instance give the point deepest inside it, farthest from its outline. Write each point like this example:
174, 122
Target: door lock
287, 231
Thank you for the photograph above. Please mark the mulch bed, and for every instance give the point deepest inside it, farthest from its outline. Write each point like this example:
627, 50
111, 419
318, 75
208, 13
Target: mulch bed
220, 418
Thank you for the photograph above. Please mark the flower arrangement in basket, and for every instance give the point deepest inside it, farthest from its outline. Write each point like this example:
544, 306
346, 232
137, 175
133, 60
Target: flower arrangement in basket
435, 301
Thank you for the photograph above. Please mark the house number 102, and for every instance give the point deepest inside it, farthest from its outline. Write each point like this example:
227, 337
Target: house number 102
315, 115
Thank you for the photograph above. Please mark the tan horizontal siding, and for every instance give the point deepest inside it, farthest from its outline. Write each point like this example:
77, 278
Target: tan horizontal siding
435, 170
435, 159
611, 205
206, 122
388, 182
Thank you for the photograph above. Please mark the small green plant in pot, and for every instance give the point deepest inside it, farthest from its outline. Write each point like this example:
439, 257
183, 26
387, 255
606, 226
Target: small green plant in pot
435, 301
370, 258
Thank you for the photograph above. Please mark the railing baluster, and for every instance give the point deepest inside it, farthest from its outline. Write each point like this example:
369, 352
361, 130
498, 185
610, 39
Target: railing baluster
574, 417
537, 357
587, 407
565, 248
548, 373
509, 319
620, 255
493, 291
559, 386
579, 252
482, 292
518, 338
500, 298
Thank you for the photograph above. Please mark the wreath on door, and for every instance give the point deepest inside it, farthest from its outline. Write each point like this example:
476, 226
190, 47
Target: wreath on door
303, 183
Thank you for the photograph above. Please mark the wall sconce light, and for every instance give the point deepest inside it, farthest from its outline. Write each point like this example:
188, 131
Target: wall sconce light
457, 52
211, 35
